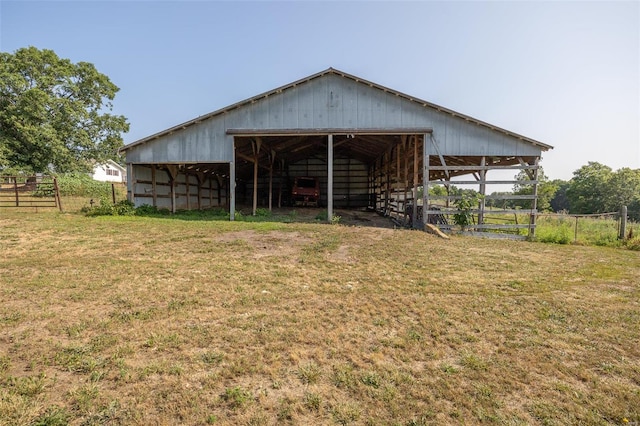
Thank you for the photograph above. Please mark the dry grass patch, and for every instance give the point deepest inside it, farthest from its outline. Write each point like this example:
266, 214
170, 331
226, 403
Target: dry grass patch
127, 320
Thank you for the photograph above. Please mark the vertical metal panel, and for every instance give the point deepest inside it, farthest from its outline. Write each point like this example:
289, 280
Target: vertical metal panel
305, 106
393, 110
335, 105
276, 111
363, 112
320, 107
290, 108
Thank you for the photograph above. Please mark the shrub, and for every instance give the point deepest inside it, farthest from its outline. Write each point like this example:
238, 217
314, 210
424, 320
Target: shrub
263, 212
105, 208
633, 244
147, 210
465, 204
323, 216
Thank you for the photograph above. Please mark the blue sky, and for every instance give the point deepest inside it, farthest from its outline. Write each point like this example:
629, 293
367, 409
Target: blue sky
564, 73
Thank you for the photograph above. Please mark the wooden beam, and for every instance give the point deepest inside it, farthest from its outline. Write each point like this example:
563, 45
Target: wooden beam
534, 202
173, 173
425, 179
272, 158
406, 174
131, 184
329, 177
483, 190
324, 132
255, 145
154, 191
415, 182
200, 179
211, 191
280, 184
527, 170
187, 183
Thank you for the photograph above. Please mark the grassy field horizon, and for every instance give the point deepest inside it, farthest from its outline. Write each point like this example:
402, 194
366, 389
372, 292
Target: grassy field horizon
137, 320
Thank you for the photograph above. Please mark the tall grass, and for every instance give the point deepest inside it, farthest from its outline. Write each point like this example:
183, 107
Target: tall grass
578, 230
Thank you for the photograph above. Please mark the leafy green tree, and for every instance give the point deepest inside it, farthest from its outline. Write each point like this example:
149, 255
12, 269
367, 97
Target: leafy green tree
546, 190
623, 188
500, 203
589, 187
54, 113
559, 201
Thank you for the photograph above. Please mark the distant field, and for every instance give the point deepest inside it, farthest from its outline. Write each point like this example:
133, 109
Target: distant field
130, 320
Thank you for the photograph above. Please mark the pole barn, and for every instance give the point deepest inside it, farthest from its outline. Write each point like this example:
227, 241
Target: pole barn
368, 145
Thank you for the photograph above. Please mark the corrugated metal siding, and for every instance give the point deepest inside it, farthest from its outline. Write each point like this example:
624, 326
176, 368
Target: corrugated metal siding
327, 102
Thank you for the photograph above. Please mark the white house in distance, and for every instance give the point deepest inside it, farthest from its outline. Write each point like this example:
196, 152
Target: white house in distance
110, 171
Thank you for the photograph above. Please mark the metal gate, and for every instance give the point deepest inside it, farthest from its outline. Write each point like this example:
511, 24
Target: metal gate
29, 191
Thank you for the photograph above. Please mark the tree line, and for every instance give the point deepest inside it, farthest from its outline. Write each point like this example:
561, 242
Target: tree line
594, 188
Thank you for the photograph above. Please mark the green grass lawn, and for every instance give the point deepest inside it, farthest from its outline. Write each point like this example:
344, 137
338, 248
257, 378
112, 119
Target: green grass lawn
134, 320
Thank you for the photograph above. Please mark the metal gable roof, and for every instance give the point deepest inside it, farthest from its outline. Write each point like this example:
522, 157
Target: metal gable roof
334, 71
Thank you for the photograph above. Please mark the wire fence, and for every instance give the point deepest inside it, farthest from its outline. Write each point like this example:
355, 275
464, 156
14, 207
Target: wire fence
564, 228
591, 229
31, 195
73, 204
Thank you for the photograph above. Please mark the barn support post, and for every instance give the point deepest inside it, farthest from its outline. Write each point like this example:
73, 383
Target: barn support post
154, 193
534, 202
200, 179
210, 179
272, 158
329, 177
173, 175
406, 176
396, 189
187, 184
232, 187
219, 186
256, 150
280, 183
425, 180
348, 182
415, 183
130, 183
483, 190
386, 157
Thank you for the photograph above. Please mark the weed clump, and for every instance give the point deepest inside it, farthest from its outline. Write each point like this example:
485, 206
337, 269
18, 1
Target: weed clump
236, 397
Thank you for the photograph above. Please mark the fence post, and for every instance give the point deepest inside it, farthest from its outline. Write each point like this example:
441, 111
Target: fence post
575, 233
56, 190
15, 188
623, 223
113, 192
